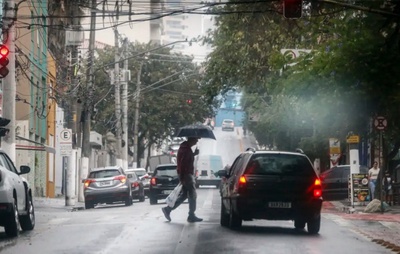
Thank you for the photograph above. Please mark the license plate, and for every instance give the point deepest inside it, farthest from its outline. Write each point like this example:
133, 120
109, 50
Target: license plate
279, 205
167, 191
105, 183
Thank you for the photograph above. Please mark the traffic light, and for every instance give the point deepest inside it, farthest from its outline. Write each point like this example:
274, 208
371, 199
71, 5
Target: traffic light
4, 60
3, 123
189, 101
292, 9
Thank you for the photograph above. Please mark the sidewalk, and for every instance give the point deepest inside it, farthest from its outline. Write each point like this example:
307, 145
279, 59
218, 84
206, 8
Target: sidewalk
381, 228
345, 207
57, 203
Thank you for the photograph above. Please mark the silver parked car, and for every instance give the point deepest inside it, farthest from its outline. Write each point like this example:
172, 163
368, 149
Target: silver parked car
107, 185
16, 203
143, 176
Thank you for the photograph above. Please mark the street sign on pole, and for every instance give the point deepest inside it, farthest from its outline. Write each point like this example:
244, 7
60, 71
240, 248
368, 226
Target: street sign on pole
380, 123
66, 142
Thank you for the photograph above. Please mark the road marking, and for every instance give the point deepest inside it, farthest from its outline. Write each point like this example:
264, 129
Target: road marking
187, 239
208, 202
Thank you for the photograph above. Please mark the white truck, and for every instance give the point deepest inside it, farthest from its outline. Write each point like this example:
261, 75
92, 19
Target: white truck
206, 168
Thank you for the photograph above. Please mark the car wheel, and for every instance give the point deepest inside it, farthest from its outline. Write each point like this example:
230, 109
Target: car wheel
28, 220
128, 201
153, 200
224, 219
142, 197
12, 225
299, 224
314, 224
89, 205
234, 220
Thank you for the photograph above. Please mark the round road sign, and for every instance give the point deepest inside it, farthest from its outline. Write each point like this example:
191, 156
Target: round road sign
66, 135
380, 123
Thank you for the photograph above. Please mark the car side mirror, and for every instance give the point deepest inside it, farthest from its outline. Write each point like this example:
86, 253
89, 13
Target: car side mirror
24, 170
222, 173
129, 176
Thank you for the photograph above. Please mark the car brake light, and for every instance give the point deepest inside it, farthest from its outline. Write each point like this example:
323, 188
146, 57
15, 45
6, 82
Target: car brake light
120, 178
88, 182
197, 173
135, 184
317, 188
153, 181
241, 184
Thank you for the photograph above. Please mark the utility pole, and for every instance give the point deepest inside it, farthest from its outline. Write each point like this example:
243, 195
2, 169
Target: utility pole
124, 150
86, 118
136, 128
117, 96
70, 170
9, 85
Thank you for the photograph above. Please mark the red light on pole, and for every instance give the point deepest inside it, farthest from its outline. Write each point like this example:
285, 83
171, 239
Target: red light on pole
4, 51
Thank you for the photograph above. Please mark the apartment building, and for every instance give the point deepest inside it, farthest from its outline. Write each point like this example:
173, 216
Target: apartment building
182, 20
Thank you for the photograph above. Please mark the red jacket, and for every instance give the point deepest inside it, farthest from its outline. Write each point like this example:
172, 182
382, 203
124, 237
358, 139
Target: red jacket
185, 159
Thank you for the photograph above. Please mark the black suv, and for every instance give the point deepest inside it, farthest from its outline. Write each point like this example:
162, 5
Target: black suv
164, 179
271, 185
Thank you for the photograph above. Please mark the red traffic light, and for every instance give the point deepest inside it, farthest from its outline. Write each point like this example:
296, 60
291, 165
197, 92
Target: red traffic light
4, 51
292, 9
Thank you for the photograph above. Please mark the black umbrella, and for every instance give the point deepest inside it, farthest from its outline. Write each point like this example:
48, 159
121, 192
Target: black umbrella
196, 130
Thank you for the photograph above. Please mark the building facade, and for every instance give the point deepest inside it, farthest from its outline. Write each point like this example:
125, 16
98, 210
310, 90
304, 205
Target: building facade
182, 26
32, 93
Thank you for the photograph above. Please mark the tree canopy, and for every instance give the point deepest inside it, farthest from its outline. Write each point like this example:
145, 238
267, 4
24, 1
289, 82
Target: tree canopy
171, 94
347, 76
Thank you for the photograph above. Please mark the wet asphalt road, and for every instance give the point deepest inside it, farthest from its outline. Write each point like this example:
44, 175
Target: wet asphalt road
142, 228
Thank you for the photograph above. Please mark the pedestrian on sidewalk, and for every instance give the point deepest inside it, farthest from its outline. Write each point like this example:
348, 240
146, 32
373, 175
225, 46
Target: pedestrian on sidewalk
373, 177
387, 183
185, 168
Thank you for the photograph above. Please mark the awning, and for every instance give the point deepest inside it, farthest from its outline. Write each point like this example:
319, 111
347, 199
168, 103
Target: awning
36, 147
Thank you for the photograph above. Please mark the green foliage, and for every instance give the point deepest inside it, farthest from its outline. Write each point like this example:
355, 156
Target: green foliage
166, 79
350, 76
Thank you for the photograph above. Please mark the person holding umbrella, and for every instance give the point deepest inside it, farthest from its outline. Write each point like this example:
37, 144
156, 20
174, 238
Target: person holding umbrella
185, 168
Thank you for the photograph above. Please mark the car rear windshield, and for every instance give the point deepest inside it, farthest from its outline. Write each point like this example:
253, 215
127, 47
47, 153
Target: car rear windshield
166, 171
104, 173
279, 164
132, 176
140, 173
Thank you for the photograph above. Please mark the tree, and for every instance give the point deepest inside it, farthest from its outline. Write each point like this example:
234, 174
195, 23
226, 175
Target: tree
167, 80
354, 54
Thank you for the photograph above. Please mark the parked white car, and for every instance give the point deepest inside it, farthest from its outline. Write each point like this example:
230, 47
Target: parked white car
16, 203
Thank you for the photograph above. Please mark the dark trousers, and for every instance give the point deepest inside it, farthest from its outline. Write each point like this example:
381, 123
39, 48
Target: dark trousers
188, 191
